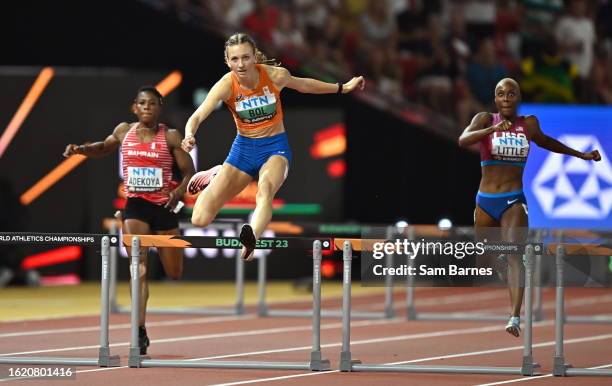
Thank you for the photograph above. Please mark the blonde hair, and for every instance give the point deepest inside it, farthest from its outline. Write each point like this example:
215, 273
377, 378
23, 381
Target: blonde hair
241, 38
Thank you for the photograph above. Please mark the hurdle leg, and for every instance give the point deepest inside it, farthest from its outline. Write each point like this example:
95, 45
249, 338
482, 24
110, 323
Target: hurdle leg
114, 232
135, 359
411, 313
104, 357
239, 283
262, 307
346, 362
389, 312
317, 363
528, 367
559, 365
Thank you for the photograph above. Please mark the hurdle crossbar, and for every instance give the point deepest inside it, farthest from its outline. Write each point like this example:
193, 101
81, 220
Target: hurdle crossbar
104, 358
316, 362
582, 249
413, 314
237, 309
347, 363
388, 312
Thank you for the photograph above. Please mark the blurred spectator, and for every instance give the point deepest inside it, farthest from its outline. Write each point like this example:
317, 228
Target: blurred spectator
288, 40
311, 15
327, 47
548, 77
349, 12
377, 24
435, 81
604, 26
575, 33
480, 16
537, 18
602, 76
412, 27
483, 73
262, 21
230, 12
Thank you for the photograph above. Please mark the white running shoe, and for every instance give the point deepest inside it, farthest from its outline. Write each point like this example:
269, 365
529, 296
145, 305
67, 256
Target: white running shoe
200, 180
514, 326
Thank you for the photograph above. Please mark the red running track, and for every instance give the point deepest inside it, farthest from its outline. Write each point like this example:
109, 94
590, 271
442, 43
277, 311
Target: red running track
248, 337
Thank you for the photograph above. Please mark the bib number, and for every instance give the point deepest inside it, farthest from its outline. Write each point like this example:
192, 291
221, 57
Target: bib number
144, 179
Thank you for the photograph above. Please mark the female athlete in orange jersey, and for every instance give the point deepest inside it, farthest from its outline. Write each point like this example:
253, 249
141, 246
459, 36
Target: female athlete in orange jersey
251, 90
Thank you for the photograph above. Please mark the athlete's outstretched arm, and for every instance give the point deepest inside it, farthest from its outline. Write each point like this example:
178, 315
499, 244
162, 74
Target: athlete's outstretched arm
218, 93
185, 164
480, 128
313, 86
549, 143
101, 148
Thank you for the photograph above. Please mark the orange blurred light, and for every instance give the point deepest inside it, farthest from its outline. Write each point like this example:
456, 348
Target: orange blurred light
26, 106
169, 83
50, 179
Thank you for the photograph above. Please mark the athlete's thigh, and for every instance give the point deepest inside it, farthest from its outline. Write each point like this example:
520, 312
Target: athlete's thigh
274, 172
171, 258
134, 226
226, 185
485, 228
515, 223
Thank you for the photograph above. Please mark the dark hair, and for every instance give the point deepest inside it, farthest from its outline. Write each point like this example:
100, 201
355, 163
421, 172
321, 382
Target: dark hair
153, 91
240, 38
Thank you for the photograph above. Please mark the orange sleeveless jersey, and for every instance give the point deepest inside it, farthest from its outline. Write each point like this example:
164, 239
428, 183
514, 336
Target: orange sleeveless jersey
258, 108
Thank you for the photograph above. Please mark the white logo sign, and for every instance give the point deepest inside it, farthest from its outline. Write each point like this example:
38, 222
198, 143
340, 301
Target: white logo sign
568, 187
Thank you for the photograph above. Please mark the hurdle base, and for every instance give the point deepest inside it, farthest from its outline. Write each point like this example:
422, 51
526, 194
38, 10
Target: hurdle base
317, 363
389, 313
346, 362
411, 314
443, 369
135, 359
538, 316
262, 310
560, 367
529, 367
107, 360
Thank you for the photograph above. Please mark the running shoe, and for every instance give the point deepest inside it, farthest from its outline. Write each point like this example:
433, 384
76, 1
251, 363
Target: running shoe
514, 326
143, 340
248, 240
202, 179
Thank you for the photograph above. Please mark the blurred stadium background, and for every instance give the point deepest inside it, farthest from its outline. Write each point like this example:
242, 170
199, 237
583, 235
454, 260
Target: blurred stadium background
69, 70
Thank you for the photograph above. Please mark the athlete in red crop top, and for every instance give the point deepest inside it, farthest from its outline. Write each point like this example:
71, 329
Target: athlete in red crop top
150, 151
504, 139
251, 90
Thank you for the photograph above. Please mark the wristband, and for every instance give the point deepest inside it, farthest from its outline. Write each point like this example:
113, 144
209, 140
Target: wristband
81, 149
339, 88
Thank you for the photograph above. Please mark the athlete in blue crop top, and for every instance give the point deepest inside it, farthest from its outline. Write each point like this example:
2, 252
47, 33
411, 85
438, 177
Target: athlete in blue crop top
504, 139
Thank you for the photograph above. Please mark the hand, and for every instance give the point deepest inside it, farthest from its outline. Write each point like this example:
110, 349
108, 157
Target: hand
592, 156
502, 126
71, 150
173, 198
188, 143
356, 83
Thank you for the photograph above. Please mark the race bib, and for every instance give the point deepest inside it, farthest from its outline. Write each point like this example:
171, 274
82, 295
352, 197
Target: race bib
144, 179
257, 108
510, 146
